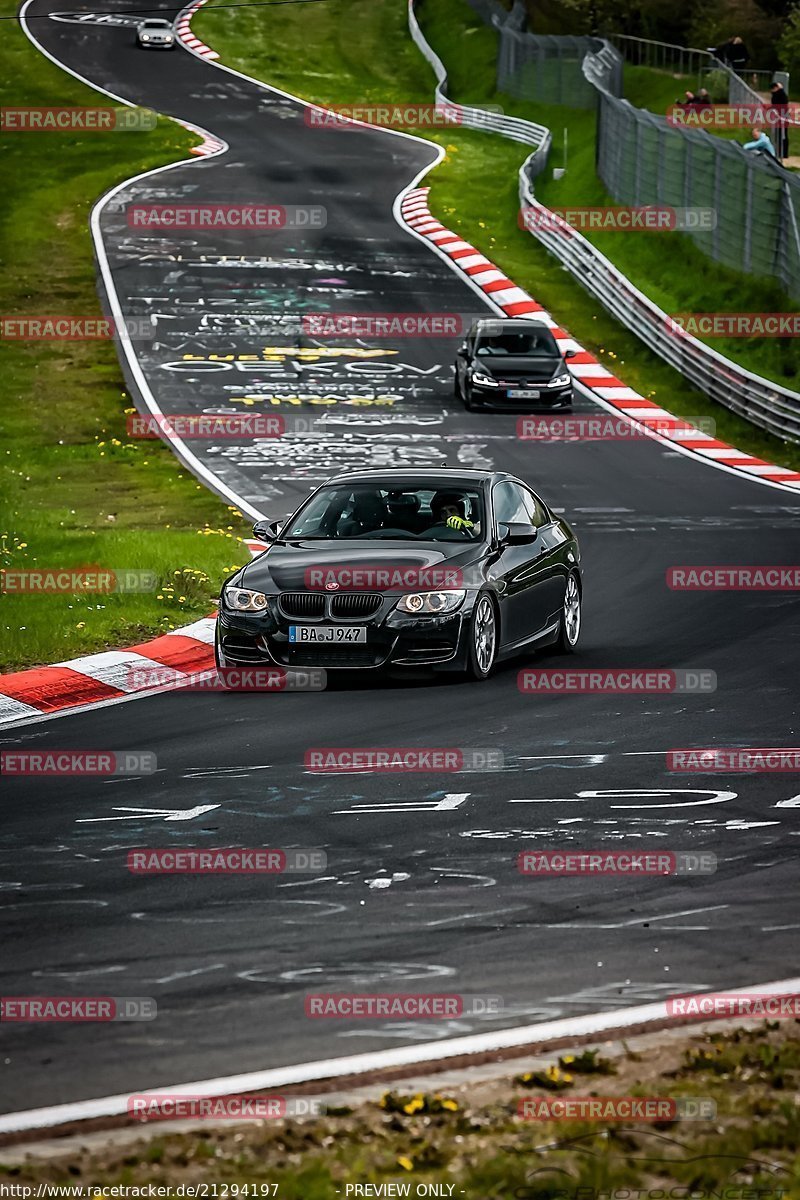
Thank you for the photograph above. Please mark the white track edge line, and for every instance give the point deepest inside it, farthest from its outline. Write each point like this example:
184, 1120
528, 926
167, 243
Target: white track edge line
333, 1068
179, 447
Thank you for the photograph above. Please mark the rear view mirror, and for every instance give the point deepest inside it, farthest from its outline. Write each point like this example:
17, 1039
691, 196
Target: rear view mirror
570, 353
462, 350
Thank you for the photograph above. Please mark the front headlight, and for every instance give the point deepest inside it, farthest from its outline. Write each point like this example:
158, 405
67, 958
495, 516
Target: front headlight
560, 380
242, 600
430, 603
484, 380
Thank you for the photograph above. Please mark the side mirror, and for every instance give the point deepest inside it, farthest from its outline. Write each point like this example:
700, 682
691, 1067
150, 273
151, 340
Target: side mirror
570, 353
516, 533
266, 531
462, 350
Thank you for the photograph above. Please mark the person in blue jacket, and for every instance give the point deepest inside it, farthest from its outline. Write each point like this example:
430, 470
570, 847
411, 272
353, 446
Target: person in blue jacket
760, 142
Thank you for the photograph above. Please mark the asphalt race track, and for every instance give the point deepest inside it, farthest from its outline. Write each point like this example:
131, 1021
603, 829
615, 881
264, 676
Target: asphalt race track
421, 890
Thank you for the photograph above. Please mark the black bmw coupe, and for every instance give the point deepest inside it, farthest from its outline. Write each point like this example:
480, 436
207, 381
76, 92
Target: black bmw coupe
449, 570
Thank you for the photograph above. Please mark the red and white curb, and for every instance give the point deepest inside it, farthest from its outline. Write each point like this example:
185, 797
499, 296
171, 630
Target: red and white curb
173, 660
209, 145
585, 368
183, 29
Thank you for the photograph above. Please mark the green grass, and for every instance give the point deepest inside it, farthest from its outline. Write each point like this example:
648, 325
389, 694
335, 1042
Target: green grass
654, 90
474, 190
471, 1138
74, 489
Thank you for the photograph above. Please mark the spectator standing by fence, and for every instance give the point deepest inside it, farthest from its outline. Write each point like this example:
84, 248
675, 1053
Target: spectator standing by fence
779, 113
732, 53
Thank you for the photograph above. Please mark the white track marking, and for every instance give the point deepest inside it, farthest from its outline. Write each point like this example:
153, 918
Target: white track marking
475, 916
632, 922
168, 814
452, 800
335, 1068
190, 974
716, 797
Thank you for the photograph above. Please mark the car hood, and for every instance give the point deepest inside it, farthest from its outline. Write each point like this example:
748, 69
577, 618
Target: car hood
539, 370
288, 567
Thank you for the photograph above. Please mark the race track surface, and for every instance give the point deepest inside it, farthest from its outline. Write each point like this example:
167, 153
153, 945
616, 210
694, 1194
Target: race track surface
230, 959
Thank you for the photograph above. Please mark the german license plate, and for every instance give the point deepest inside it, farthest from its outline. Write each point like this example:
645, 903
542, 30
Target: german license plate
523, 394
336, 634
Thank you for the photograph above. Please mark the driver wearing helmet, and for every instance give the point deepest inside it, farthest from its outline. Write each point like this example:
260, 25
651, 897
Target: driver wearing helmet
449, 508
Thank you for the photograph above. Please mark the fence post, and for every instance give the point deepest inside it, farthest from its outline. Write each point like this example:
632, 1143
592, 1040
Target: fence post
791, 282
717, 188
747, 250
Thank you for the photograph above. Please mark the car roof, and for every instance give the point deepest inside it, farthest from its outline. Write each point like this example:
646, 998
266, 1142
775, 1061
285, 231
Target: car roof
517, 324
155, 21
448, 475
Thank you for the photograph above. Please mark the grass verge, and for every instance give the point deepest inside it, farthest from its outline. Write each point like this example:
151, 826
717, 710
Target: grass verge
471, 1138
74, 489
474, 190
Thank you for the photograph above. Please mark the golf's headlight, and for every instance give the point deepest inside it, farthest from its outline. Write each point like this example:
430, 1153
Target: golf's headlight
242, 600
484, 380
430, 603
560, 380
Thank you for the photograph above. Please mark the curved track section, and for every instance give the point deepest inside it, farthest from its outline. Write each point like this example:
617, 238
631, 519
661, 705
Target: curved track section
421, 891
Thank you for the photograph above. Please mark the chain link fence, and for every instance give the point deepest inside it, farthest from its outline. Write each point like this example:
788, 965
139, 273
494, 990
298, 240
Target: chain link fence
547, 69
642, 159
764, 403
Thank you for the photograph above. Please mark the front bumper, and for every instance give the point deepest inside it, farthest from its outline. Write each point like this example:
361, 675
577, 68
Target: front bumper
499, 397
393, 640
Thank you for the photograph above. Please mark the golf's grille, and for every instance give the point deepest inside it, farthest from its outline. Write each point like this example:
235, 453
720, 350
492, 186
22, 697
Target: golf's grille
303, 606
352, 605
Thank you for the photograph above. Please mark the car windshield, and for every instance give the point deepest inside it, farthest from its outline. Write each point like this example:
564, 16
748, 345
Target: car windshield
413, 513
538, 343
156, 25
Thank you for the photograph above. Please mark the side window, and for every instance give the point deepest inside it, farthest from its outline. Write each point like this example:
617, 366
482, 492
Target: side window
537, 513
509, 504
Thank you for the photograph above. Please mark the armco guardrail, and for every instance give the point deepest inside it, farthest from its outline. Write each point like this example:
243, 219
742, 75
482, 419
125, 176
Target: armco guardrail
515, 128
761, 401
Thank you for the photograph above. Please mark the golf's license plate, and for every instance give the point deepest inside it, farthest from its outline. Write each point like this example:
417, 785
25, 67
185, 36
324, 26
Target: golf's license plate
339, 634
523, 394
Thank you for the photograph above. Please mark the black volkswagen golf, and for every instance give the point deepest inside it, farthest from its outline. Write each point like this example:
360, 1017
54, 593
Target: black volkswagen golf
512, 364
449, 570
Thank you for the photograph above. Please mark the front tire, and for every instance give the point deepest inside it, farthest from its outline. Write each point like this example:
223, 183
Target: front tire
571, 617
483, 637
